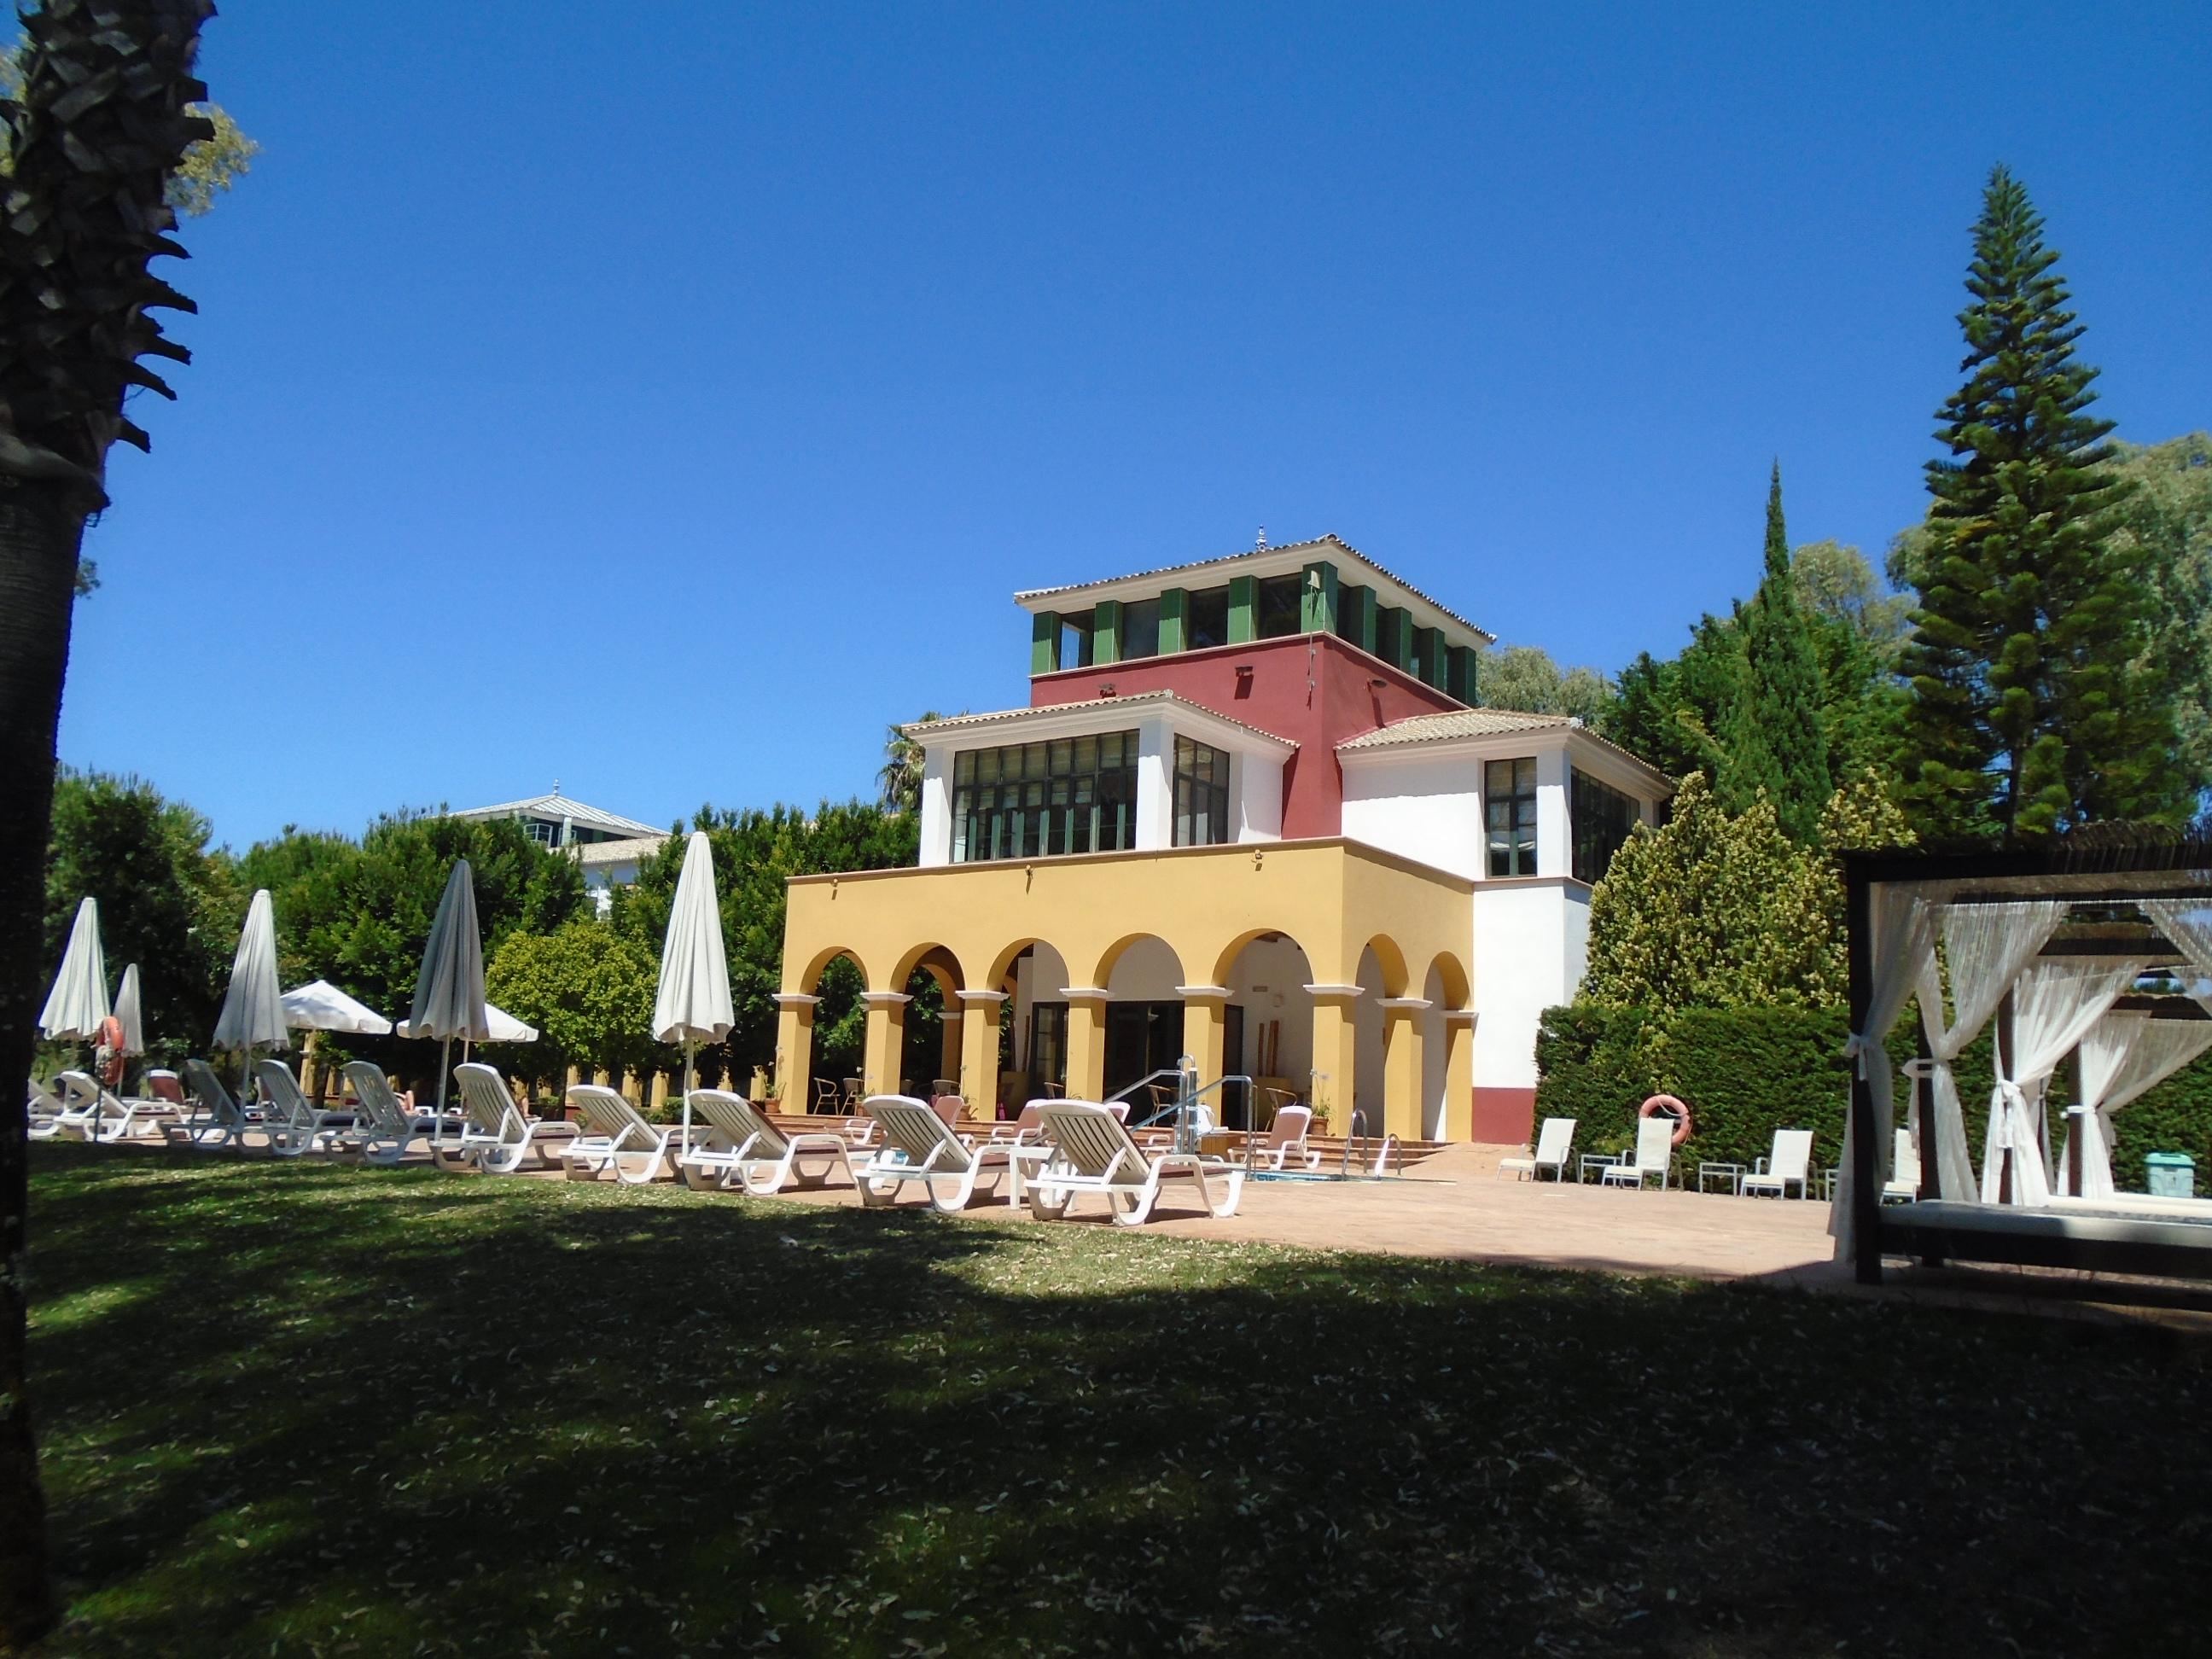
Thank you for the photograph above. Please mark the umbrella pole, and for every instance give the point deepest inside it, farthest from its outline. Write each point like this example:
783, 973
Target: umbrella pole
689, 1044
445, 1064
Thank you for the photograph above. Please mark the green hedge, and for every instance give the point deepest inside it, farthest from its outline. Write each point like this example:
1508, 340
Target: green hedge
1746, 1073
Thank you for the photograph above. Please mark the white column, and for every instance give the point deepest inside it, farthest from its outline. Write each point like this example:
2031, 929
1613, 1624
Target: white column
1155, 785
937, 808
1554, 851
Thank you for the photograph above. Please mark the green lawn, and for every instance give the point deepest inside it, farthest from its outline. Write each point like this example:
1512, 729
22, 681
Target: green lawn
297, 1409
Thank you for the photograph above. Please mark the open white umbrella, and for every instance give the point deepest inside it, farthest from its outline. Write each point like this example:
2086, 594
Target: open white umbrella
129, 1013
505, 1028
449, 998
78, 1002
319, 1006
253, 1013
692, 1006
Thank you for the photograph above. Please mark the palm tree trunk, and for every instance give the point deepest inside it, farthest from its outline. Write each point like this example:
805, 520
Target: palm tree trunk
40, 531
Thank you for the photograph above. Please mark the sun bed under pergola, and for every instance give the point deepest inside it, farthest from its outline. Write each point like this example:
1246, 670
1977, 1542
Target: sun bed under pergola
2052, 950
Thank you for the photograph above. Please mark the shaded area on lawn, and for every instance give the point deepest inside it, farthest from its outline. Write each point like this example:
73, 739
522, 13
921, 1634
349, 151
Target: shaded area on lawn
337, 1410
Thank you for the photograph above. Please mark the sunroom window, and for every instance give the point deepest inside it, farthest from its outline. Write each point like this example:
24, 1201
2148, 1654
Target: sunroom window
1035, 799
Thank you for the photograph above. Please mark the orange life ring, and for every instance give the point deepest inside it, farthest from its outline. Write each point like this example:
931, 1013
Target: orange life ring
1674, 1109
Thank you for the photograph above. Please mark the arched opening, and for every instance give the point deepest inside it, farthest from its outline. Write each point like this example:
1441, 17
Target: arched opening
1267, 1024
1033, 1023
840, 1027
929, 1057
1447, 1052
1144, 1016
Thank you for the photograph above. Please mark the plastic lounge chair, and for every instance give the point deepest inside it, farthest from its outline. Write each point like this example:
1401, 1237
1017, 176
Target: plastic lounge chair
294, 1124
1904, 1167
919, 1145
384, 1130
46, 1109
1555, 1143
163, 1086
76, 1114
1285, 1138
215, 1121
1654, 1155
124, 1117
949, 1108
496, 1134
615, 1137
743, 1146
1026, 1130
1091, 1152
1791, 1160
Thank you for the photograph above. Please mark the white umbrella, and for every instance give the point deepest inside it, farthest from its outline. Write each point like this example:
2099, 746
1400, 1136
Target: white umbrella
449, 998
319, 1006
78, 1002
693, 1003
253, 1015
129, 1013
505, 1027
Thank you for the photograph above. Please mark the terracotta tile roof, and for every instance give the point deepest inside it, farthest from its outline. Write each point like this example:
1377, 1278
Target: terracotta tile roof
1486, 723
1331, 542
1135, 699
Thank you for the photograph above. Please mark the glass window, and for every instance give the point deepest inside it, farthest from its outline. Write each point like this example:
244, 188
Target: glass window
1208, 619
1600, 818
1202, 795
1032, 799
1278, 605
1075, 640
1508, 800
1140, 629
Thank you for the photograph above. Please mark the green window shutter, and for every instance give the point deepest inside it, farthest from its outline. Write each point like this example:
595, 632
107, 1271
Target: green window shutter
1355, 616
1466, 681
1106, 633
1243, 610
1044, 641
1400, 654
1175, 619
1433, 667
1317, 599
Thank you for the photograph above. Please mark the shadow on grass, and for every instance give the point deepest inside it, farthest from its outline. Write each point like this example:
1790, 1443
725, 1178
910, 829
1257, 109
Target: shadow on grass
307, 1409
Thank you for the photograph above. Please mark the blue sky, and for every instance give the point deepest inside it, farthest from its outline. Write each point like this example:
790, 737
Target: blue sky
664, 397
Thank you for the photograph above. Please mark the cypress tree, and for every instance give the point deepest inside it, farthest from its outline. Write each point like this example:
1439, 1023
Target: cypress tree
2027, 715
1775, 742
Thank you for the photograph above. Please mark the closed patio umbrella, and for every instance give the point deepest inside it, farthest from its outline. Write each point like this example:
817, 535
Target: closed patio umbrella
692, 1006
78, 1002
449, 993
129, 1013
253, 1013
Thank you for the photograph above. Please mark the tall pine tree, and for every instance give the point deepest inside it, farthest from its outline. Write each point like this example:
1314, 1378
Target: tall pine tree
2027, 715
1775, 739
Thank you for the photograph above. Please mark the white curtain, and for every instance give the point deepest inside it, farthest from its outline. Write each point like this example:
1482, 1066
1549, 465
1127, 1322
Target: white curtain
2055, 1003
1985, 946
2188, 923
1904, 942
2121, 1057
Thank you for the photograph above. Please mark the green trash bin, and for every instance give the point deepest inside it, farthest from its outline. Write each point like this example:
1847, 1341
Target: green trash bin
2172, 1175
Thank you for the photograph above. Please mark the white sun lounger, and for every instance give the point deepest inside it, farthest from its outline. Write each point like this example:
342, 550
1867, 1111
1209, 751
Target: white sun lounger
215, 1121
47, 1109
495, 1134
1655, 1155
1791, 1160
1092, 1152
1555, 1141
743, 1147
1285, 1138
76, 1110
615, 1137
117, 1117
383, 1131
918, 1145
294, 1123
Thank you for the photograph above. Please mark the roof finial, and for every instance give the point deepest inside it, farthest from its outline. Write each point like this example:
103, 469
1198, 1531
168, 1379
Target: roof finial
557, 786
1261, 546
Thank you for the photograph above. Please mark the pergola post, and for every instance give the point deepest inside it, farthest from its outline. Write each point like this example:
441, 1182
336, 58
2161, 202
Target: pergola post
794, 1050
1086, 1040
1866, 1189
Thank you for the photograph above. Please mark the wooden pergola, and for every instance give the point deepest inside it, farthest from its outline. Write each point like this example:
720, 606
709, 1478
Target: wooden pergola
2102, 881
